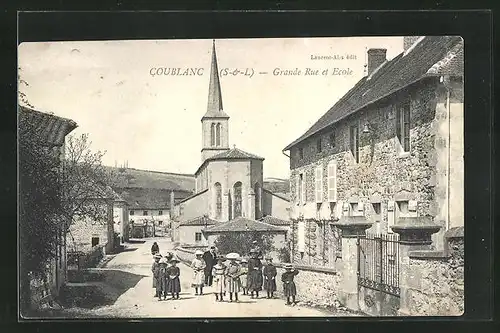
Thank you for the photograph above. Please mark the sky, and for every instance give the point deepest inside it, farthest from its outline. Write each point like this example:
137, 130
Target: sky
154, 121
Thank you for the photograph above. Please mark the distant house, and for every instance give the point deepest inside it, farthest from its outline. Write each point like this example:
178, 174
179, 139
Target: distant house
51, 132
148, 198
228, 182
391, 147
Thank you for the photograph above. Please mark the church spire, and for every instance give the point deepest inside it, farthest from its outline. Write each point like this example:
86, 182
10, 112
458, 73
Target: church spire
214, 107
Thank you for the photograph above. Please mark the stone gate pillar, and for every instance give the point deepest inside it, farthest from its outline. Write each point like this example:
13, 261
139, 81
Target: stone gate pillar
352, 227
415, 238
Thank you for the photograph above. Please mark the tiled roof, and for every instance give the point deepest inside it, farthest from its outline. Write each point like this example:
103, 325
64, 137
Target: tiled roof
200, 220
48, 128
148, 198
242, 224
192, 196
235, 153
284, 196
274, 221
394, 75
231, 154
135, 178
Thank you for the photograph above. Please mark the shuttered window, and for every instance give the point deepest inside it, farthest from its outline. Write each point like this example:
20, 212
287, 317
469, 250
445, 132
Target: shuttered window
332, 181
319, 184
403, 125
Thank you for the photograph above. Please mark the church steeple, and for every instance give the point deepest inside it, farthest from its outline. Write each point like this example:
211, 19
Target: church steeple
215, 122
214, 107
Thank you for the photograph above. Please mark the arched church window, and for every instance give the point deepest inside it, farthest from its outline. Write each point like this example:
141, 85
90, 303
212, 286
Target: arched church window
237, 199
212, 134
218, 200
256, 189
217, 135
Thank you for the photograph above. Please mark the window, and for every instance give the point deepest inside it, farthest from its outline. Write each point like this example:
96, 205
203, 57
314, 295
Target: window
301, 153
145, 213
332, 181
217, 135
332, 139
354, 142
160, 222
160, 212
212, 134
377, 216
319, 184
357, 209
403, 125
95, 241
301, 189
402, 208
237, 199
132, 212
318, 145
197, 236
256, 189
218, 200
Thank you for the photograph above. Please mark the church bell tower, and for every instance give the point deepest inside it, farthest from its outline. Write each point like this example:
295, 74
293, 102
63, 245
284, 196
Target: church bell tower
215, 122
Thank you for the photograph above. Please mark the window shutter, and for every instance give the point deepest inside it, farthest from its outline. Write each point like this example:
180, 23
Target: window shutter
332, 181
304, 191
319, 184
297, 190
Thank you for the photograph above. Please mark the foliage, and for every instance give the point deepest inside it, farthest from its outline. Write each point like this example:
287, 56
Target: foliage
284, 253
241, 242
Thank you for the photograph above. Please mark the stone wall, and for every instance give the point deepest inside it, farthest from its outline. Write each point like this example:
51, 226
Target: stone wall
384, 173
433, 282
81, 232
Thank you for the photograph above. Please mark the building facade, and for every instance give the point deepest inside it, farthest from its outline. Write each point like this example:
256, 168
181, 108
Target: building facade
229, 181
392, 147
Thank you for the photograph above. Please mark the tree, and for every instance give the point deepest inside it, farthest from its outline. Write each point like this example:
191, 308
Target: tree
242, 242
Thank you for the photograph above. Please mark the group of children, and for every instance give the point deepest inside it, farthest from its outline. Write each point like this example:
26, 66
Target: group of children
231, 274
166, 276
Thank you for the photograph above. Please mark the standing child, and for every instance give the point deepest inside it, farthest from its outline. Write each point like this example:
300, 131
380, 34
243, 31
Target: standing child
244, 275
156, 271
254, 273
162, 285
218, 279
198, 265
174, 282
270, 277
289, 288
233, 272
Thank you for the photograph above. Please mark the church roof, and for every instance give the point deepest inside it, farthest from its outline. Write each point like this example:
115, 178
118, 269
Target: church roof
232, 154
214, 107
242, 224
235, 153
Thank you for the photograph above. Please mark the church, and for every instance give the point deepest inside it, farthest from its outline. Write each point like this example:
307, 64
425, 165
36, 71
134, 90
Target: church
229, 194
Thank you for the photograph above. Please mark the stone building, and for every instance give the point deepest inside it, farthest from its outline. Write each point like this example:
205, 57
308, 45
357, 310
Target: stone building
229, 181
51, 130
391, 147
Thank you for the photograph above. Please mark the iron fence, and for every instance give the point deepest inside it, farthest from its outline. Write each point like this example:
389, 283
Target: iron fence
378, 262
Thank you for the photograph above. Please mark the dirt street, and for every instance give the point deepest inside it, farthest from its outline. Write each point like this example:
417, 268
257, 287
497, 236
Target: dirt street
138, 300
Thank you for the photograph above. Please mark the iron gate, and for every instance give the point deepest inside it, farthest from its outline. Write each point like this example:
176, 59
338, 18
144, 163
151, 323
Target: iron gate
378, 262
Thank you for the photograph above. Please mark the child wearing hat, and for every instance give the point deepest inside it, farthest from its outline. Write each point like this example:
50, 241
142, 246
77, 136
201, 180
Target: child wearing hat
289, 287
162, 285
218, 272
173, 275
270, 277
156, 272
232, 273
198, 265
244, 275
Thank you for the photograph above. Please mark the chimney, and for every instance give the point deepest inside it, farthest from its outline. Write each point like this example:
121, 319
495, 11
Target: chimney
408, 41
376, 57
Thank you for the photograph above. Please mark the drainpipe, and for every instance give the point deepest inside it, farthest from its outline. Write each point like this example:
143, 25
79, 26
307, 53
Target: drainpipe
446, 84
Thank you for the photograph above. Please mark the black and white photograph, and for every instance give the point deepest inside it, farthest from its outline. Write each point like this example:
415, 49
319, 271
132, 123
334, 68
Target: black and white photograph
241, 177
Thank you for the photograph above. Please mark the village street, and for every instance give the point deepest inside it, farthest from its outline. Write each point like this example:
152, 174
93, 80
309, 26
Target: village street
138, 301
